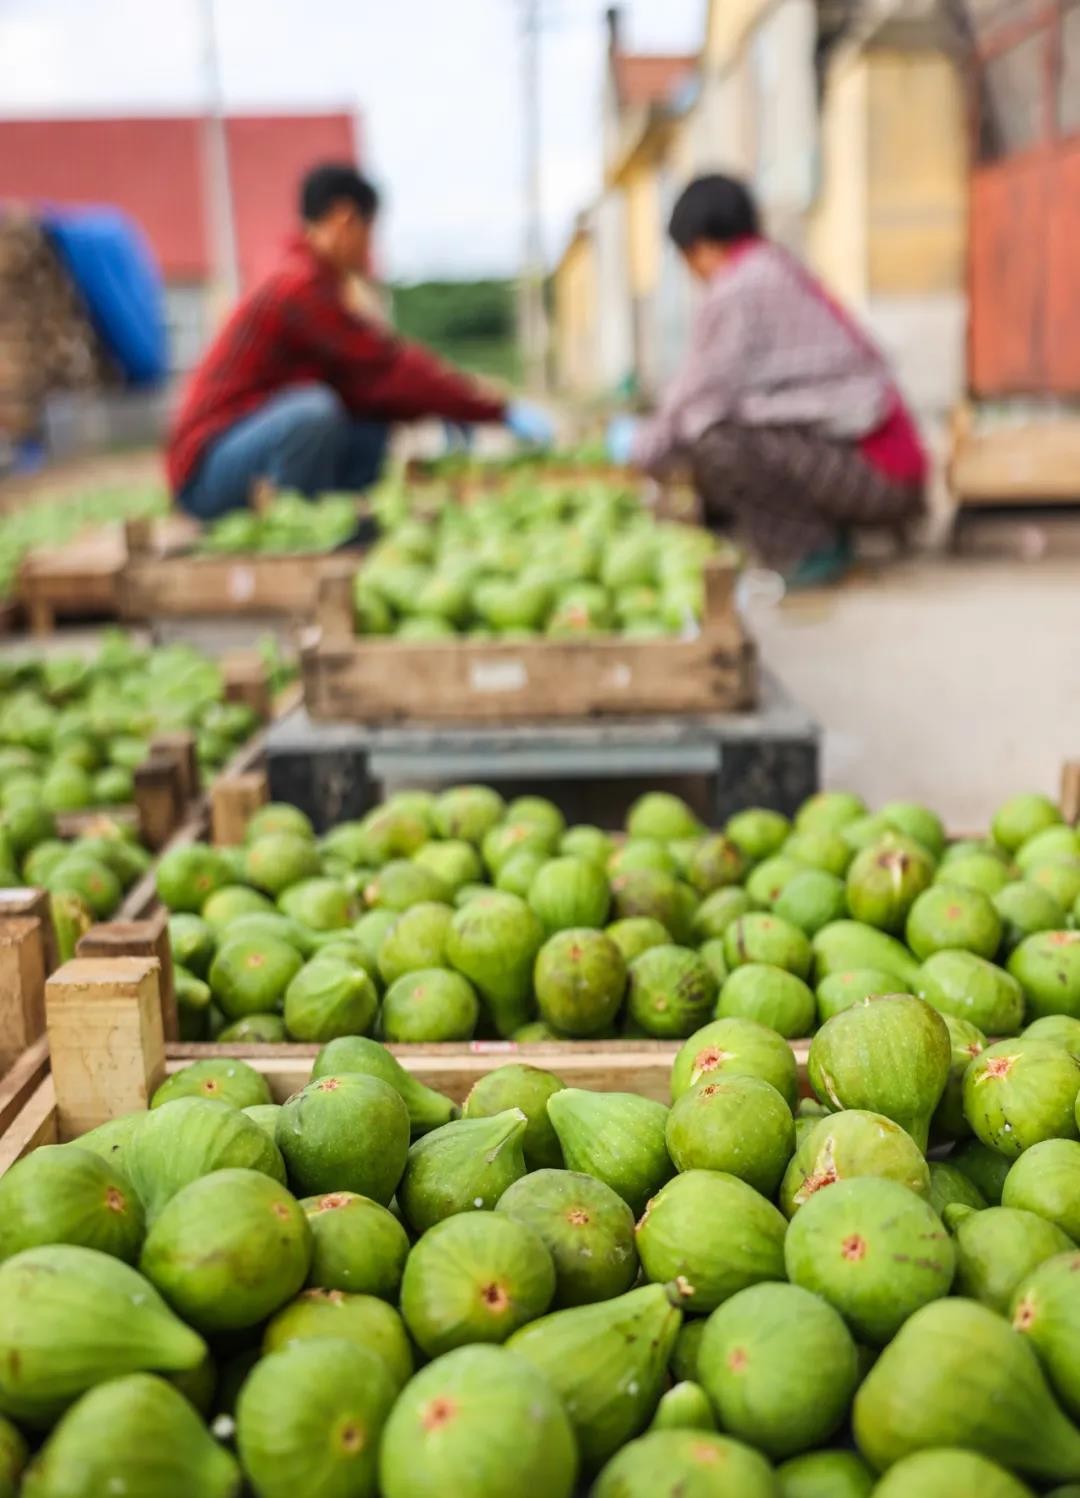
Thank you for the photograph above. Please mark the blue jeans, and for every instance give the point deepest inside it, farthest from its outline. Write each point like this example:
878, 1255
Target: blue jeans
303, 438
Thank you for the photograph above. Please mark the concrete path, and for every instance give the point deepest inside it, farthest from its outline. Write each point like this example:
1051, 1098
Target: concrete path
950, 681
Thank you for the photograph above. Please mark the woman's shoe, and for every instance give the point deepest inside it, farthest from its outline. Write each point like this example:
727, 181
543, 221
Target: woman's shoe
820, 568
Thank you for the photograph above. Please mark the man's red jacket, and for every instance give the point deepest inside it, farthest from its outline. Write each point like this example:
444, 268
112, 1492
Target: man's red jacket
294, 329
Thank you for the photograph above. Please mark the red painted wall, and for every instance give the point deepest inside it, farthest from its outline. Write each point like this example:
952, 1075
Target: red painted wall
152, 169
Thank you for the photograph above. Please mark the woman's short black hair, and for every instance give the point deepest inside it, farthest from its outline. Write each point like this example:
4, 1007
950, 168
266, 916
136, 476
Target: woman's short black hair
332, 182
715, 208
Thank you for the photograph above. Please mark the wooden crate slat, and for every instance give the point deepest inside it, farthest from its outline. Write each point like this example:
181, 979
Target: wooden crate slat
187, 586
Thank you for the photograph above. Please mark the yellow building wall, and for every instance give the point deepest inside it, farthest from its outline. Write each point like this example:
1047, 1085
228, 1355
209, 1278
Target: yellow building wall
575, 298
890, 215
836, 228
644, 228
727, 25
917, 169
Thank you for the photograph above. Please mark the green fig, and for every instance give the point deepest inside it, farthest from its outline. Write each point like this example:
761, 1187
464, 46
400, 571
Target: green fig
710, 1235
685, 1406
463, 1167
1046, 1310
997, 1249
71, 1318
133, 1435
479, 1422
874, 1250
184, 1140
227, 1250
740, 1125
356, 1245
606, 1362
309, 1419
223, 1080
957, 1374
780, 1367
527, 1088
1046, 1179
469, 1280
951, 1187
587, 1229
846, 945
62, 1194
890, 1055
345, 1133
825, 1474
617, 1137
427, 1108
946, 1474
736, 1047
694, 1463
770, 995
1019, 1093
847, 1145
972, 989
364, 1320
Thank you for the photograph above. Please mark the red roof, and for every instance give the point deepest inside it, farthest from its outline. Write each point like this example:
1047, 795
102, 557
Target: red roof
152, 169
650, 80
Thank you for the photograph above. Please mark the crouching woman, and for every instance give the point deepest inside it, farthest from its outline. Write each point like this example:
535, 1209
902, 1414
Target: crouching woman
787, 414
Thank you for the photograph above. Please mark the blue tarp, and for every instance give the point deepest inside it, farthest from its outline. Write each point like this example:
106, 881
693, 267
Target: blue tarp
114, 269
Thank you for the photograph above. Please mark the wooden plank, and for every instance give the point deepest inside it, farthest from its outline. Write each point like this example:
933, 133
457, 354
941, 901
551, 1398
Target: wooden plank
233, 802
142, 938
187, 586
37, 1123
22, 986
106, 1042
1036, 463
21, 1080
386, 682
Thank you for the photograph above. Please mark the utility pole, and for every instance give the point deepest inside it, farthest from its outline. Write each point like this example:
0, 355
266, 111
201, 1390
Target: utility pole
219, 200
532, 318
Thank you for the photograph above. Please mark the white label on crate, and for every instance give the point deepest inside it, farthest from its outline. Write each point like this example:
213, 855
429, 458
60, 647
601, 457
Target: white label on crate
620, 676
241, 584
16, 896
498, 676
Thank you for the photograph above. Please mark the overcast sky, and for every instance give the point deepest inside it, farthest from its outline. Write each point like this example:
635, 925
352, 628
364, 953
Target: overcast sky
435, 82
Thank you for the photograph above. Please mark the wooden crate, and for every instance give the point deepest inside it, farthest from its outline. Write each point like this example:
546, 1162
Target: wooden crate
82, 579
109, 1053
163, 578
385, 681
1036, 463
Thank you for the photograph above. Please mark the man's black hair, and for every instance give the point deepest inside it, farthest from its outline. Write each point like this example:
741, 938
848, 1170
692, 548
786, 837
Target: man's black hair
716, 209
330, 183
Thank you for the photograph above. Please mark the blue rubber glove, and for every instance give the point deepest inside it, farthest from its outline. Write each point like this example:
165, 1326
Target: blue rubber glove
621, 435
530, 425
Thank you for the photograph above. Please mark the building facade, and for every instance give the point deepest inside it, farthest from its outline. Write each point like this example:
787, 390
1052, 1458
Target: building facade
155, 170
850, 122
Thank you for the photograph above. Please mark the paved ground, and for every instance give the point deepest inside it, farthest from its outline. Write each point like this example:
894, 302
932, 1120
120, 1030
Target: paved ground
953, 681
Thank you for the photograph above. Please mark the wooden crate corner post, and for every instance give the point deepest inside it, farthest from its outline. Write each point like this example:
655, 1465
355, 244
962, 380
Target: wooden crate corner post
181, 747
147, 938
27, 902
234, 800
106, 1041
335, 613
22, 986
159, 798
247, 680
1070, 791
